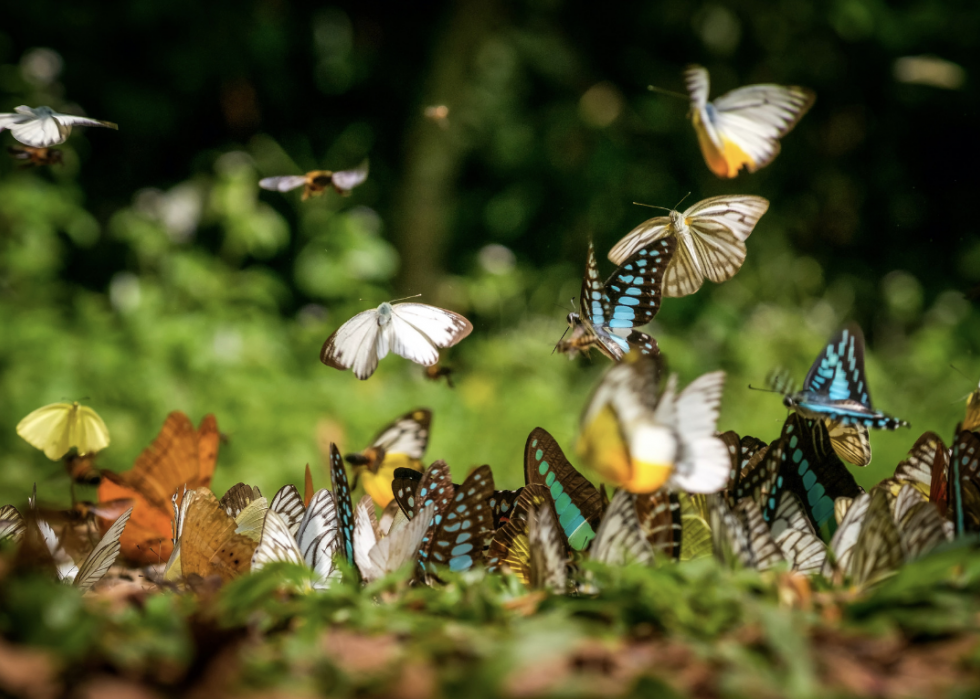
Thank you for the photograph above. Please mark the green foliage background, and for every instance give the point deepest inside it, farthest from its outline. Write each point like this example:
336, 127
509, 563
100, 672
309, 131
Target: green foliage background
150, 274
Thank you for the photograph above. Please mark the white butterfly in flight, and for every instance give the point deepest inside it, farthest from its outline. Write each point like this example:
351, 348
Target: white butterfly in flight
414, 331
742, 128
711, 239
41, 127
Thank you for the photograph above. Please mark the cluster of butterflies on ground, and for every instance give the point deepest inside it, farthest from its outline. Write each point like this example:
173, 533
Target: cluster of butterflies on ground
683, 490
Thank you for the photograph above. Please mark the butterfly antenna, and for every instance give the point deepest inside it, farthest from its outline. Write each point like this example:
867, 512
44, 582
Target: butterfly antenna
559, 340
765, 390
650, 206
961, 373
406, 298
654, 88
682, 200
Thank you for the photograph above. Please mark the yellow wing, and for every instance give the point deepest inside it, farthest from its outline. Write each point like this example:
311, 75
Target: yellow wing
56, 428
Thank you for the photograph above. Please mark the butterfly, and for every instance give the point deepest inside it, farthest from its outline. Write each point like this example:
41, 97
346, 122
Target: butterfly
344, 504
620, 540
925, 469
710, 237
316, 182
414, 331
288, 504
630, 298
794, 534
510, 546
746, 453
963, 482
406, 482
41, 127
400, 444
920, 525
208, 540
180, 457
695, 530
57, 428
742, 128
576, 501
878, 549
659, 515
803, 462
836, 388
640, 440
11, 524
33, 157
972, 420
313, 545
378, 555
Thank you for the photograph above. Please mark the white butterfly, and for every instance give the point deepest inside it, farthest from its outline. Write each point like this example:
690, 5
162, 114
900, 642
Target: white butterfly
377, 555
742, 128
288, 504
11, 524
314, 545
42, 126
316, 181
620, 539
411, 330
792, 531
546, 544
710, 240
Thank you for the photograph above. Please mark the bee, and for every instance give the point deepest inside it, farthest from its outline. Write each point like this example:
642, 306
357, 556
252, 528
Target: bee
315, 182
81, 470
436, 372
33, 157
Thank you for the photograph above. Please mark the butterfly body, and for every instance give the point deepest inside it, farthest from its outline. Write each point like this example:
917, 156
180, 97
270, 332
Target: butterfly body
836, 387
630, 298
35, 157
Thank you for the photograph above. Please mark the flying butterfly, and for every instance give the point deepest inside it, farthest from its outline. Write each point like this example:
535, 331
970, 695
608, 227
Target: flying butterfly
742, 128
314, 183
414, 331
630, 298
57, 428
710, 238
577, 502
640, 438
836, 388
401, 444
180, 457
35, 157
42, 127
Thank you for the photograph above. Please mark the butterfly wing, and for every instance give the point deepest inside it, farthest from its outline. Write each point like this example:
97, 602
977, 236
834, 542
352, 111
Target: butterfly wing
276, 544
963, 483
734, 215
74, 120
765, 551
466, 525
838, 372
86, 430
39, 130
620, 539
282, 184
640, 237
401, 546
288, 504
546, 544
846, 537
47, 429
354, 344
11, 524
404, 486
366, 537
631, 296
704, 463
851, 442
318, 536
577, 502
510, 548
342, 498
925, 467
878, 551
793, 533
345, 180
238, 497
659, 514
729, 536
436, 326
209, 544
103, 555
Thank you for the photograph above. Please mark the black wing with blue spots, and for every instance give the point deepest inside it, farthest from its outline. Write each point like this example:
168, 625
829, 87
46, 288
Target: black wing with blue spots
345, 508
963, 483
457, 536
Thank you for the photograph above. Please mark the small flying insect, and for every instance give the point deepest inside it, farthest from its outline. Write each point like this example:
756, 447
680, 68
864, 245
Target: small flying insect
438, 113
315, 182
436, 372
81, 468
33, 157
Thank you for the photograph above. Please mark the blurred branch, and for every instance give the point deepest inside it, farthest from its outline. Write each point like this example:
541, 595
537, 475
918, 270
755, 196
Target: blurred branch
425, 202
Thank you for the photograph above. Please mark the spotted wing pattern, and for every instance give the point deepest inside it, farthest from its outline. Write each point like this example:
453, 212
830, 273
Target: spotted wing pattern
343, 502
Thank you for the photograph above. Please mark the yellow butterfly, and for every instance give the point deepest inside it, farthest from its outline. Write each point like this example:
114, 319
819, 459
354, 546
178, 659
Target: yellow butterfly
56, 428
399, 445
742, 128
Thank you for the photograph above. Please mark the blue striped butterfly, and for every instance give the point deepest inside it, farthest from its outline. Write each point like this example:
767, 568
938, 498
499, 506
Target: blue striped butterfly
963, 482
804, 462
343, 503
405, 484
630, 298
836, 388
578, 503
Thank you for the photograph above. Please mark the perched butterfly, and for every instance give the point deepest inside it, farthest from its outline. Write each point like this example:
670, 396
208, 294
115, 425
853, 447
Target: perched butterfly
414, 331
288, 504
378, 555
510, 546
710, 237
963, 482
436, 372
344, 504
209, 543
659, 515
546, 543
836, 389
733, 541
238, 497
576, 501
316, 182
400, 444
41, 127
742, 128
405, 485
34, 157
11, 524
620, 539
640, 440
920, 525
57, 428
630, 298
180, 457
746, 453
841, 548
791, 530
313, 545
925, 469
803, 462
878, 550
